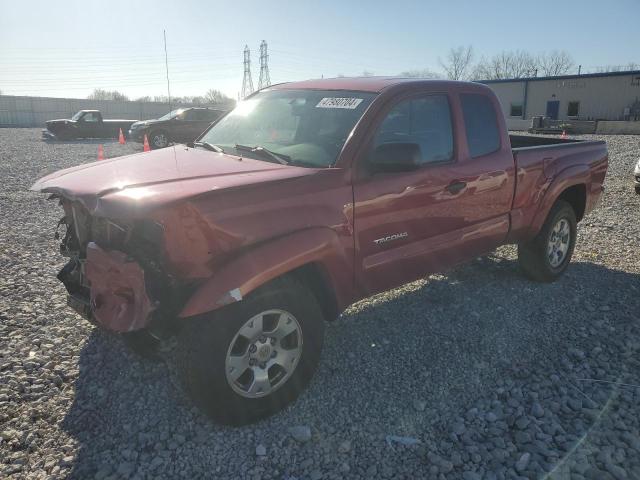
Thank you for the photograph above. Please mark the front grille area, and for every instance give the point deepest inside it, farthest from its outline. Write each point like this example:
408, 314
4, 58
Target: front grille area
109, 234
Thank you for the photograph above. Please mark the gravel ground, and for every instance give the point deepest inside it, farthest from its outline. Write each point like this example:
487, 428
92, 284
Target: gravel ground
476, 374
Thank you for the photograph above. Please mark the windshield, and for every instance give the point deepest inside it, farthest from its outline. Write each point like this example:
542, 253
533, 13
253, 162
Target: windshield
171, 114
77, 116
307, 126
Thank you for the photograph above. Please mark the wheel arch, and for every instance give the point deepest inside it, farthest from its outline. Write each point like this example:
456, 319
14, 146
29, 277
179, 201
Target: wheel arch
568, 185
576, 196
313, 256
314, 276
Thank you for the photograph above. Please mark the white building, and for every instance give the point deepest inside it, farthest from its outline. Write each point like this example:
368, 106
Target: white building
596, 96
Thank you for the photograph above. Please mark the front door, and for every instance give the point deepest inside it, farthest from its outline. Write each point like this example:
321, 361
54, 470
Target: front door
89, 125
553, 107
451, 208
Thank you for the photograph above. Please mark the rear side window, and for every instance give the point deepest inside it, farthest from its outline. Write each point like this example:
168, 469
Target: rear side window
425, 121
212, 115
193, 115
481, 124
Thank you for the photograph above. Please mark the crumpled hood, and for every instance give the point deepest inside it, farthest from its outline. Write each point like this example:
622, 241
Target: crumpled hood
129, 186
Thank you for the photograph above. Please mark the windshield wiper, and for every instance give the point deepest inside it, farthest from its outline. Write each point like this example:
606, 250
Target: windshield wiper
278, 157
209, 146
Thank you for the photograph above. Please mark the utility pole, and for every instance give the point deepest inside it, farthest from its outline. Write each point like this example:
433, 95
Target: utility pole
247, 81
166, 64
264, 81
579, 69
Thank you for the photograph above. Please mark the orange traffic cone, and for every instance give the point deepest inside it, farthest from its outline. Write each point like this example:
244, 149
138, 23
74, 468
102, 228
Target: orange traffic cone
146, 147
564, 135
100, 152
121, 138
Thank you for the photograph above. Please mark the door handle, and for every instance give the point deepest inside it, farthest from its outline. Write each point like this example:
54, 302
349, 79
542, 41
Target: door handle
456, 187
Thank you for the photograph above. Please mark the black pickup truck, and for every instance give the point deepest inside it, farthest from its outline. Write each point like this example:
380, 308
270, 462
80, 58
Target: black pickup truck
85, 124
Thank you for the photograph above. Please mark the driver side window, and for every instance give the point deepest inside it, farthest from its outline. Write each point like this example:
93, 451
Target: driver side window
424, 121
90, 117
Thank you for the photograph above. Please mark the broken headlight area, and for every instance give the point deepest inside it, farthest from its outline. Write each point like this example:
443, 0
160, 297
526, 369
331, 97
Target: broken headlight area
115, 276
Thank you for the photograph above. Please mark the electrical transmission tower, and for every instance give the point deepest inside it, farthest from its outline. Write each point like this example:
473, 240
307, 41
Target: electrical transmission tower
247, 81
264, 81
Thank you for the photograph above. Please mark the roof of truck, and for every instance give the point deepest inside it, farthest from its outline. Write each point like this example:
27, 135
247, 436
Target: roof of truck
363, 84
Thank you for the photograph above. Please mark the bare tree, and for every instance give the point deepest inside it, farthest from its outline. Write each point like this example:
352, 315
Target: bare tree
556, 62
617, 68
216, 96
100, 94
424, 73
457, 64
513, 64
367, 73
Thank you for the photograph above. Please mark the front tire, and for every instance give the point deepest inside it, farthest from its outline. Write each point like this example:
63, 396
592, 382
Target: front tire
252, 358
158, 139
547, 256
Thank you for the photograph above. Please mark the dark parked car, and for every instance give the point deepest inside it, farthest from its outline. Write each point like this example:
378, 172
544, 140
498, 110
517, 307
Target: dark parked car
181, 126
85, 124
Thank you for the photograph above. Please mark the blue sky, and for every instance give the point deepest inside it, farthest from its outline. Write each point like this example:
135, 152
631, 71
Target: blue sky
48, 49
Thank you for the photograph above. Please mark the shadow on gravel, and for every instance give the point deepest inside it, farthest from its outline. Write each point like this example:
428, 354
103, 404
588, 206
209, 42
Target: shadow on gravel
406, 362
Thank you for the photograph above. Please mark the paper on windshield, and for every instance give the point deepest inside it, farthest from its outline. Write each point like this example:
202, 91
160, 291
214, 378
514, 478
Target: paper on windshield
339, 102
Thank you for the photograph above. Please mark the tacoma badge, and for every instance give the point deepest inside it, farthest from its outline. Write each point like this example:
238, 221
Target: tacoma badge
395, 236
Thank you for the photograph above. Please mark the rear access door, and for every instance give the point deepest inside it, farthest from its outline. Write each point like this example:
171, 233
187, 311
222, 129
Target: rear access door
453, 207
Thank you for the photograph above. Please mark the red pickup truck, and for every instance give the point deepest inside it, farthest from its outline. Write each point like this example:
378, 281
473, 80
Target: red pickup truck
305, 198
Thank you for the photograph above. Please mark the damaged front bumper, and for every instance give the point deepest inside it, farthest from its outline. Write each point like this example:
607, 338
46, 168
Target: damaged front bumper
48, 135
113, 292
119, 300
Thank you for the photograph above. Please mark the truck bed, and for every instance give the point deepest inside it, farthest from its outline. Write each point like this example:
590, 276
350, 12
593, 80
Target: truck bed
540, 162
527, 141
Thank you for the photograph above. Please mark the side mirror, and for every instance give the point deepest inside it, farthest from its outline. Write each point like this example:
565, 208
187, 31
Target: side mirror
395, 157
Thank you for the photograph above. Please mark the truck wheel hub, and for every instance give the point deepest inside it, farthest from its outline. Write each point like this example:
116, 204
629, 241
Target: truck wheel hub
264, 353
558, 243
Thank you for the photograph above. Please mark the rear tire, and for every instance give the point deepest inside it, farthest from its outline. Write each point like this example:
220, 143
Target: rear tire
638, 189
158, 139
210, 345
547, 256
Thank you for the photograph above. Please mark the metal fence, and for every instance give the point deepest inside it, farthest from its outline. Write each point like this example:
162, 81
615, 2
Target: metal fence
34, 111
